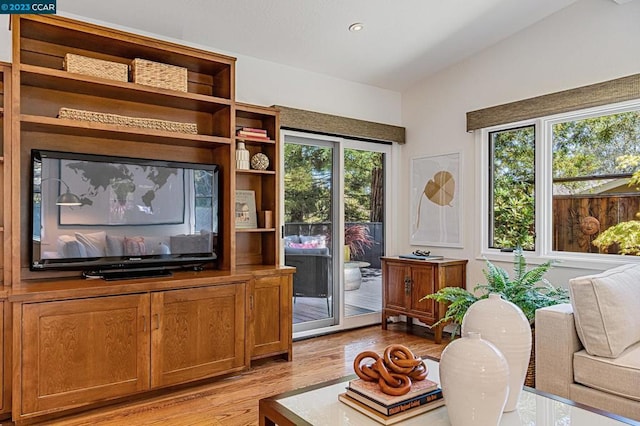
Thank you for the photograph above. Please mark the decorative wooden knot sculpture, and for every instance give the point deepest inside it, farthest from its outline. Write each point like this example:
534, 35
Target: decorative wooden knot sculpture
394, 371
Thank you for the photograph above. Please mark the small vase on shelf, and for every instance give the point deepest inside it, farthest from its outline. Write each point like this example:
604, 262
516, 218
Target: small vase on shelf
242, 157
474, 377
505, 325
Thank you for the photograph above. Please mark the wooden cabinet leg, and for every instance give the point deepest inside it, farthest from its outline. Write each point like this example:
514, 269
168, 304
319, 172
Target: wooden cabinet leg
384, 320
437, 334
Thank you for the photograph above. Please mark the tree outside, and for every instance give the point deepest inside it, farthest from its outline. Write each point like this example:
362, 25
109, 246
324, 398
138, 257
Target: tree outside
309, 187
588, 160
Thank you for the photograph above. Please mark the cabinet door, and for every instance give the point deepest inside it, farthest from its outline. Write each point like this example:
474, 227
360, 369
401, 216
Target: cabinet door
197, 333
79, 351
270, 306
395, 290
422, 283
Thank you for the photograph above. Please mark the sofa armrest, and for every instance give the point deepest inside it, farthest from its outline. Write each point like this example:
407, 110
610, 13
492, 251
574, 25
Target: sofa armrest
556, 342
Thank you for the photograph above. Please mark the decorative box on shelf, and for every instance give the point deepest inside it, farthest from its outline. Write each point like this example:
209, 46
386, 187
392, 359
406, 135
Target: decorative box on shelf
93, 67
121, 120
160, 75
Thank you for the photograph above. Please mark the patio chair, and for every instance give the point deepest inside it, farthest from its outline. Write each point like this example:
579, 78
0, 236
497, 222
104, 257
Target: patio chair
312, 277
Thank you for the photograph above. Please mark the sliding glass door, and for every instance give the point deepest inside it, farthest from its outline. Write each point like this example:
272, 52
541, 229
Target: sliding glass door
334, 210
308, 229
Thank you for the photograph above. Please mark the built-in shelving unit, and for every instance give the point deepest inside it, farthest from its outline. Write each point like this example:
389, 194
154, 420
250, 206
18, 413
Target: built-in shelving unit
260, 245
249, 292
5, 232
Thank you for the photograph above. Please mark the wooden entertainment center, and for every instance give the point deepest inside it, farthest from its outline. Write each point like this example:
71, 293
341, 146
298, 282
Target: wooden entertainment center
70, 344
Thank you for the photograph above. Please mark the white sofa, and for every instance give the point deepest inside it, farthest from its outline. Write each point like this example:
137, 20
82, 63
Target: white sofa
100, 244
588, 351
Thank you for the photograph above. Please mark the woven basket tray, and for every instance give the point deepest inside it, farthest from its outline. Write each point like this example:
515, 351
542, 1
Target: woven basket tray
95, 67
159, 75
121, 120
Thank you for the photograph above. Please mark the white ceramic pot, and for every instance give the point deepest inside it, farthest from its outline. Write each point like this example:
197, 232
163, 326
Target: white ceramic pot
503, 324
474, 377
352, 276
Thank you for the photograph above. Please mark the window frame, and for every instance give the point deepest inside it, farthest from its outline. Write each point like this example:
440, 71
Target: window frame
543, 251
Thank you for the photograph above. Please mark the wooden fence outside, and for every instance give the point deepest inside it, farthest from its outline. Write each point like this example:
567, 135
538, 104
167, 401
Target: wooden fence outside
578, 220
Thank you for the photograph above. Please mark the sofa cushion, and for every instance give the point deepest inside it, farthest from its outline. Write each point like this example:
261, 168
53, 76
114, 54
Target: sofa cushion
606, 309
619, 376
314, 241
95, 243
291, 239
68, 247
308, 251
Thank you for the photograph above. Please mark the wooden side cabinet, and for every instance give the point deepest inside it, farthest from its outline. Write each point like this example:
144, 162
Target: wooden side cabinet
270, 306
406, 281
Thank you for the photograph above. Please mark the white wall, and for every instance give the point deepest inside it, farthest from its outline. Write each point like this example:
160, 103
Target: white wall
5, 39
588, 42
267, 83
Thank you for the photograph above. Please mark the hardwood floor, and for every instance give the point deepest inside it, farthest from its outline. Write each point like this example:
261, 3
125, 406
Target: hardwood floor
233, 400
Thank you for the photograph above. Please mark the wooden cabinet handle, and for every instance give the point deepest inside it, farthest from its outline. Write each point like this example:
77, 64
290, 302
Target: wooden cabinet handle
156, 321
144, 324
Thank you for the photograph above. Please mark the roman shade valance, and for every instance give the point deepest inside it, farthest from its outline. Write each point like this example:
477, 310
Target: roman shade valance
608, 92
315, 122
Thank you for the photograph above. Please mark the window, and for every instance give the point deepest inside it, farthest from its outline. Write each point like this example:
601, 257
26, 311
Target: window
567, 185
512, 188
203, 188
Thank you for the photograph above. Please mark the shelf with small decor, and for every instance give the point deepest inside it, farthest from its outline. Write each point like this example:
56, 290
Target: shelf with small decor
257, 132
82, 87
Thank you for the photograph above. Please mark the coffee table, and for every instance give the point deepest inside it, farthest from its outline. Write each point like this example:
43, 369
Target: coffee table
318, 405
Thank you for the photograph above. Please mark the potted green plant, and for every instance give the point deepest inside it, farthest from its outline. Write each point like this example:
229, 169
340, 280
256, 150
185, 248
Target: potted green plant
527, 289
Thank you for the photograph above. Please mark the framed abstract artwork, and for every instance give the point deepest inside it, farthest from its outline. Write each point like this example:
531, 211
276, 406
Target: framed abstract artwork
436, 200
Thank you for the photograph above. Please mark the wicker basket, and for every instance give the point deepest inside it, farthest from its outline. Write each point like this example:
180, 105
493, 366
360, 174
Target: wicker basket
159, 75
530, 378
120, 120
95, 67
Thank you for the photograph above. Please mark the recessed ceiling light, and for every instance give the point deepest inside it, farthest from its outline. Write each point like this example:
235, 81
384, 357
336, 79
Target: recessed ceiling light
357, 26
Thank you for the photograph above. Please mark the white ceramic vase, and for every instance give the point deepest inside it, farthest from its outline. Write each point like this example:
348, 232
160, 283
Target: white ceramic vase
503, 324
474, 377
242, 157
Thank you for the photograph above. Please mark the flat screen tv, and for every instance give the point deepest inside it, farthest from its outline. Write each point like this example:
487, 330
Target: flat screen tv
116, 217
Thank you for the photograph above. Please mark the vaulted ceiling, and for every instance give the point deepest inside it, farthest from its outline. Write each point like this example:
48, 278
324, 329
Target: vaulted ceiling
402, 41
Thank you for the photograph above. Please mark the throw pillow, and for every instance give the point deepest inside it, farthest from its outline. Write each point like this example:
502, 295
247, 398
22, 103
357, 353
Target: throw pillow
94, 243
605, 308
318, 241
291, 239
115, 246
134, 246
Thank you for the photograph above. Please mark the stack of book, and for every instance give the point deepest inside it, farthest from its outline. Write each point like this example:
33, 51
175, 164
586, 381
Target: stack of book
253, 133
367, 398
